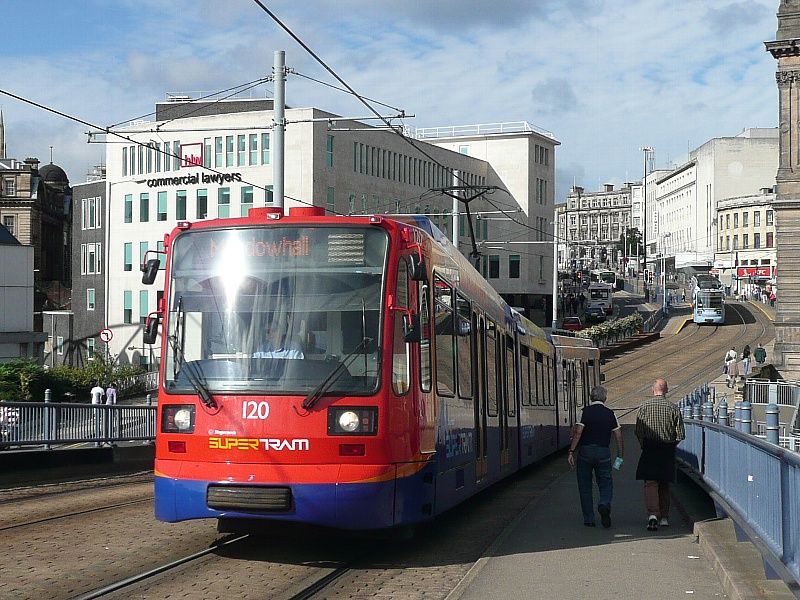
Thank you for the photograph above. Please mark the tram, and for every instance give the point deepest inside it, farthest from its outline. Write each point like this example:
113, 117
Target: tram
348, 372
604, 276
708, 300
602, 294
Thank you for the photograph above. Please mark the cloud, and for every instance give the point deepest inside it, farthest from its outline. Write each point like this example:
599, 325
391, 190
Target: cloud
737, 16
554, 96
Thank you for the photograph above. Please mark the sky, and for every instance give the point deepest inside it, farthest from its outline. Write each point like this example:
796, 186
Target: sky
606, 77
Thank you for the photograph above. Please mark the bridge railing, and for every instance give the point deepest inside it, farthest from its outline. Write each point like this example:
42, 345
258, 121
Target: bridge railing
138, 384
48, 424
755, 480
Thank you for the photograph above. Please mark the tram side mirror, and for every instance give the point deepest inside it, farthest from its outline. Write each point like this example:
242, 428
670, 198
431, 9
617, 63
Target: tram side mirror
150, 270
150, 329
417, 268
412, 330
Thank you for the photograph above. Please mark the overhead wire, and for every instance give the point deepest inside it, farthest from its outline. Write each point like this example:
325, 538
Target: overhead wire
330, 85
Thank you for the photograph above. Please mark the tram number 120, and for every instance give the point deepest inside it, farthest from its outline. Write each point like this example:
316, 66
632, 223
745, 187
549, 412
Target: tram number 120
254, 410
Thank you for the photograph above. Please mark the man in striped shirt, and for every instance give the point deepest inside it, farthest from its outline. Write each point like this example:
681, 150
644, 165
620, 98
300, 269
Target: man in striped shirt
659, 428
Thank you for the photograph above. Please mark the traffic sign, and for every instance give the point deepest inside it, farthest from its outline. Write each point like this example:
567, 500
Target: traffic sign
106, 335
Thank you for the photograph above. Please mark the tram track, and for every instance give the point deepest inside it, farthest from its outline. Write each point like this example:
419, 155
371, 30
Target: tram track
11, 495
77, 513
701, 362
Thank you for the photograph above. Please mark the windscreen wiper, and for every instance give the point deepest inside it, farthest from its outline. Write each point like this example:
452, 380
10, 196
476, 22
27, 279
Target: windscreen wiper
191, 370
316, 394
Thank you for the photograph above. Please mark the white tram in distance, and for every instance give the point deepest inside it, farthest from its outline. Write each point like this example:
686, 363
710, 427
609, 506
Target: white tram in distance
604, 276
602, 294
708, 300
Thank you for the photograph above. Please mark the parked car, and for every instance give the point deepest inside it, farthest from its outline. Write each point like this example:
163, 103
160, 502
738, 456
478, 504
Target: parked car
572, 324
594, 313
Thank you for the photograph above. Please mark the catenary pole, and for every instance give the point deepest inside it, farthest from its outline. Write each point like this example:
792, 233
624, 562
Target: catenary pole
279, 126
456, 206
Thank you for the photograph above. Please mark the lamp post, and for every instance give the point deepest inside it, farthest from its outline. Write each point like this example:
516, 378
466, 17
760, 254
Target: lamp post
664, 273
646, 150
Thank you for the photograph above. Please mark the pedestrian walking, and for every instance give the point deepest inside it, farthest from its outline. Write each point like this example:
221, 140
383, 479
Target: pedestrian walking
746, 360
772, 298
97, 393
592, 439
111, 394
760, 354
582, 299
727, 368
659, 428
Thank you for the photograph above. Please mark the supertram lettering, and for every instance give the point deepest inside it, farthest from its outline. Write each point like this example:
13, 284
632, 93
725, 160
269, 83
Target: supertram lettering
226, 443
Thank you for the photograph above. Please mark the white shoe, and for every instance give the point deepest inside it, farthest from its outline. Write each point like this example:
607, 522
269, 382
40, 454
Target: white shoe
664, 522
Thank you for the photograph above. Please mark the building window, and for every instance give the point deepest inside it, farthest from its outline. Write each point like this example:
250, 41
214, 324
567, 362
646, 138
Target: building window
144, 207
770, 218
770, 238
745, 218
128, 256
162, 206
465, 150
124, 161
127, 304
202, 204
330, 200
241, 150
141, 158
247, 200
756, 241
329, 151
207, 152
129, 208
745, 241
494, 266
735, 220
513, 266
736, 242
264, 148
176, 153
224, 202
8, 223
143, 307
161, 257
150, 158
60, 344
757, 218
90, 299
132, 161
180, 205
253, 149
90, 349
143, 248
268, 194
217, 151
228, 150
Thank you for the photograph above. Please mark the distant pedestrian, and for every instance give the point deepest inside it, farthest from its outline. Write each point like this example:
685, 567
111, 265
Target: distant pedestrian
746, 360
729, 366
592, 438
659, 428
582, 299
772, 298
97, 393
111, 394
683, 296
760, 354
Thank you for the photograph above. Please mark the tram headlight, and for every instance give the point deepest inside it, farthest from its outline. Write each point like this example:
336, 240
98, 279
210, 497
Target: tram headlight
350, 420
177, 418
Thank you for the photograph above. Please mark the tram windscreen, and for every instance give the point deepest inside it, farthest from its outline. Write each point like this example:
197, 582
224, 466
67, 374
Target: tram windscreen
709, 300
274, 310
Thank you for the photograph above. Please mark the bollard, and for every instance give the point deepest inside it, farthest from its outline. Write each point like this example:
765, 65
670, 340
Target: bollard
747, 420
737, 415
696, 411
773, 426
723, 411
708, 411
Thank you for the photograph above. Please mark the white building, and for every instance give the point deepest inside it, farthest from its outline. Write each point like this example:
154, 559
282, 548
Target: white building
681, 216
345, 166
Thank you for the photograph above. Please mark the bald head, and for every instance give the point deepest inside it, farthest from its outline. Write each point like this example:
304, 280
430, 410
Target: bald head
660, 387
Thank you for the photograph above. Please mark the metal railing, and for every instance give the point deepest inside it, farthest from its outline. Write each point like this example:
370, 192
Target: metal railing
137, 384
48, 424
508, 127
759, 391
756, 480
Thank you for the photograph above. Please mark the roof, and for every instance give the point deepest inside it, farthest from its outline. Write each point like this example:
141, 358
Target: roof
6, 239
53, 174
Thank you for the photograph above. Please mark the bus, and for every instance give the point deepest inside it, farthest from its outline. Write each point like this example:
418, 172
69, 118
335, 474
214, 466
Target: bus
604, 276
602, 294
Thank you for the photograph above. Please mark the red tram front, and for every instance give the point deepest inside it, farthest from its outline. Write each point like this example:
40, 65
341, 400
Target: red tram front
288, 373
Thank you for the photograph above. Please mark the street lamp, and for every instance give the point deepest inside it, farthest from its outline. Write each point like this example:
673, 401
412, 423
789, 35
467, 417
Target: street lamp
646, 150
664, 273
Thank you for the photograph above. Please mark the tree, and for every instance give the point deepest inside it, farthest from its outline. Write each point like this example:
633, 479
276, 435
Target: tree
634, 240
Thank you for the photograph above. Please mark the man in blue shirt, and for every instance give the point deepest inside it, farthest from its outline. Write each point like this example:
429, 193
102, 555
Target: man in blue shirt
592, 439
278, 345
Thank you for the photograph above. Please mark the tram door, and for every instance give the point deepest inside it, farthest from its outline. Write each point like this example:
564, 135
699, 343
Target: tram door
573, 393
481, 462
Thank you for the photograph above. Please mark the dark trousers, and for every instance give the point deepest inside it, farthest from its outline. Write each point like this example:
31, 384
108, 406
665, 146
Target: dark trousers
595, 459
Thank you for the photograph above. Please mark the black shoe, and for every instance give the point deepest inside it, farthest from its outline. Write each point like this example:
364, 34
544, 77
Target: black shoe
605, 515
589, 524
652, 523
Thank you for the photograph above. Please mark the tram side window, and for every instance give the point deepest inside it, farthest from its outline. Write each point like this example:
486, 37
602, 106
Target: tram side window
539, 386
443, 319
464, 355
491, 369
525, 374
425, 342
511, 392
551, 400
401, 379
